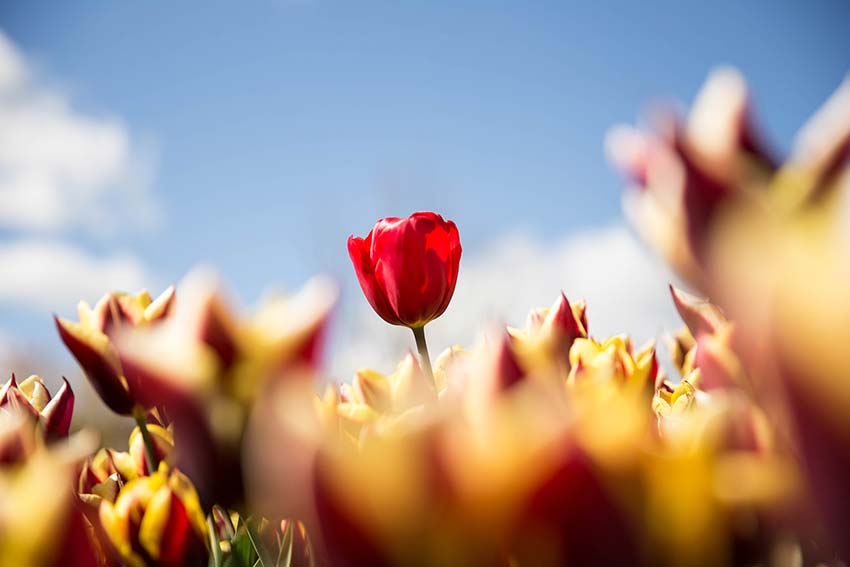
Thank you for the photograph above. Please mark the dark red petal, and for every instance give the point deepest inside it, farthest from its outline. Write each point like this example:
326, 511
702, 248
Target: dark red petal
359, 252
508, 371
58, 412
700, 315
103, 376
6, 388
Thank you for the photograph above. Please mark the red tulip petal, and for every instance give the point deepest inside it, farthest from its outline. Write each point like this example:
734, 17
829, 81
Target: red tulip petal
412, 258
699, 315
58, 412
102, 373
359, 251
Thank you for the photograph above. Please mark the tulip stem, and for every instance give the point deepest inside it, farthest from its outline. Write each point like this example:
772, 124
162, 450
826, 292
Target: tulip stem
425, 359
150, 452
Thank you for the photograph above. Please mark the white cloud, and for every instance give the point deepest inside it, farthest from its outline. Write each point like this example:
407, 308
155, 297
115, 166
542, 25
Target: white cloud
55, 275
624, 285
60, 168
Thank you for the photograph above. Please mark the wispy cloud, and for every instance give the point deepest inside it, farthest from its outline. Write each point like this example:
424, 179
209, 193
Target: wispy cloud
60, 168
55, 275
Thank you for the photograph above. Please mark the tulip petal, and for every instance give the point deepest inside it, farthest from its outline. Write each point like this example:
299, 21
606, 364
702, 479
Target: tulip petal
58, 412
99, 361
700, 315
359, 251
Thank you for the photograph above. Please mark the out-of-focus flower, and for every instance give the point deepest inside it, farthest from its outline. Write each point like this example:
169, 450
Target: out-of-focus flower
613, 362
402, 390
107, 471
205, 367
544, 345
686, 174
33, 398
767, 242
40, 523
104, 474
156, 520
408, 267
163, 444
90, 341
570, 471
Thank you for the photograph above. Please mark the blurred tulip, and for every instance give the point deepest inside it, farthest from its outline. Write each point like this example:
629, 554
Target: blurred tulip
205, 367
613, 361
685, 174
103, 475
90, 341
156, 520
32, 397
769, 242
163, 444
40, 523
544, 345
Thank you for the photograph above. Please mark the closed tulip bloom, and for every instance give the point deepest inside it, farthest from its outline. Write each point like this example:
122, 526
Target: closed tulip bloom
90, 341
408, 267
156, 520
33, 398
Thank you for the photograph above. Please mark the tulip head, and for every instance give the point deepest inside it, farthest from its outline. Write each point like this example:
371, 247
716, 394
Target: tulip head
544, 345
156, 520
408, 267
613, 361
31, 397
90, 341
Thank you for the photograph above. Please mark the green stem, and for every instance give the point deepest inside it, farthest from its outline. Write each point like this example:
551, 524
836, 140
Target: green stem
150, 452
425, 360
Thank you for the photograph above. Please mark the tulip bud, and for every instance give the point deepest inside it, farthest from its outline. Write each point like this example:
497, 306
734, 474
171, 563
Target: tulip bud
90, 342
163, 444
408, 268
544, 345
613, 361
157, 520
102, 477
32, 397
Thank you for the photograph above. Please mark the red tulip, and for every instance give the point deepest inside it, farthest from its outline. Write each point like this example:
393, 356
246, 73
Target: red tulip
408, 268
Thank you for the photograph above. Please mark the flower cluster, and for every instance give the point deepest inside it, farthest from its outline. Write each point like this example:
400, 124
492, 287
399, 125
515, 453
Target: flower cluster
767, 238
540, 445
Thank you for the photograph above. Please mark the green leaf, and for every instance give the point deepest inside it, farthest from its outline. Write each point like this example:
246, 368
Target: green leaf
263, 557
243, 552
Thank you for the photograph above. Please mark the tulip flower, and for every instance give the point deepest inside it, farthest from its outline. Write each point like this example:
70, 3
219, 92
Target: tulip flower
613, 361
206, 365
32, 397
163, 444
40, 523
544, 345
156, 520
408, 269
103, 475
90, 341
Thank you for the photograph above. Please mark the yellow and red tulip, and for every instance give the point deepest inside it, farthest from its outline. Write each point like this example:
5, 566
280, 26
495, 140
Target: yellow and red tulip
156, 520
90, 341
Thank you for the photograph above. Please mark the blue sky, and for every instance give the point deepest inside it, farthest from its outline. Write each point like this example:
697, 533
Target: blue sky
280, 128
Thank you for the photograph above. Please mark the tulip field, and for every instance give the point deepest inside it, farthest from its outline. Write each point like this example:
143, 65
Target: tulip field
544, 444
